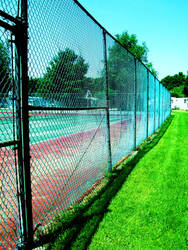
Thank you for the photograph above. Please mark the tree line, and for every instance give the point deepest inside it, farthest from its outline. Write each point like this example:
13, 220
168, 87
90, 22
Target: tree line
66, 75
177, 84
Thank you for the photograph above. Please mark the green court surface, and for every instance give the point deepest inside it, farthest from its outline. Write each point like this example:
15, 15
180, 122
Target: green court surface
44, 126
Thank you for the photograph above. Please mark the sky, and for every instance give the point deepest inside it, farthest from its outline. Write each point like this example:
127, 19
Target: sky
162, 24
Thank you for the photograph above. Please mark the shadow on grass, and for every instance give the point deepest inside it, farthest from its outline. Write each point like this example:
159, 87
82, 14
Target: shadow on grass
75, 229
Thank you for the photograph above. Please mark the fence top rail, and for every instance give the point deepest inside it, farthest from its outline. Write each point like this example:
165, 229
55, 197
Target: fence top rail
88, 14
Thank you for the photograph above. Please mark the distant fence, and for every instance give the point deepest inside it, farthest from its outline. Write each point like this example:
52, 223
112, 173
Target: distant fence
73, 102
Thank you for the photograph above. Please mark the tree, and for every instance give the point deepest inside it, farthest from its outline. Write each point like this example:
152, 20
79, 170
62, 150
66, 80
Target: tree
34, 85
121, 69
140, 51
185, 90
151, 68
176, 80
131, 43
5, 71
121, 62
64, 82
66, 73
116, 67
120, 75
176, 84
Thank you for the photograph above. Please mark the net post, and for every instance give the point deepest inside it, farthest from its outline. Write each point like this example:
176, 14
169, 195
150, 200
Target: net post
109, 167
135, 95
147, 123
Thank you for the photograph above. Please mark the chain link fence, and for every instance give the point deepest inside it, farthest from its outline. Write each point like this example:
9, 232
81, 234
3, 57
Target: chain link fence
73, 102
9, 176
151, 104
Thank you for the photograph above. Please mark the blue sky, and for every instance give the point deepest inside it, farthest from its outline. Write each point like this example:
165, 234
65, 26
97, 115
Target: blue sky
162, 24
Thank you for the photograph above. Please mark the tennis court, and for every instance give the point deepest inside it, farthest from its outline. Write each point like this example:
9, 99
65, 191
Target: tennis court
48, 125
62, 167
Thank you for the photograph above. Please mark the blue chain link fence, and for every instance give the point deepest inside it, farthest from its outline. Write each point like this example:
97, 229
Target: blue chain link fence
73, 102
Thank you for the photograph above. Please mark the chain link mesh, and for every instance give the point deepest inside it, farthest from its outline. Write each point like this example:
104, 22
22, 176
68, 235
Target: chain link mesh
161, 104
66, 70
9, 225
64, 160
151, 105
121, 75
141, 103
66, 63
78, 74
11, 7
156, 104
9, 210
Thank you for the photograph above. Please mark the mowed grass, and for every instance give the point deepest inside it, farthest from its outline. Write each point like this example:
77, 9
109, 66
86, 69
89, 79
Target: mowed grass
150, 211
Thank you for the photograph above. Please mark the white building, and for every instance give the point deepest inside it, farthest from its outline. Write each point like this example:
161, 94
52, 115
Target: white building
179, 103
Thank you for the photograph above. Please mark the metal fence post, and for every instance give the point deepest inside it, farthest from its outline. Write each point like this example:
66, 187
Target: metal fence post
109, 167
162, 99
165, 99
147, 122
159, 104
21, 79
25, 123
170, 109
154, 102
17, 97
135, 97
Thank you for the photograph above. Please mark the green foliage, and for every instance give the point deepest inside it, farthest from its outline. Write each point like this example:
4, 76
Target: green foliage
185, 90
171, 82
66, 73
117, 68
131, 43
65, 82
34, 85
65, 78
5, 71
96, 85
140, 51
153, 71
177, 91
176, 84
121, 64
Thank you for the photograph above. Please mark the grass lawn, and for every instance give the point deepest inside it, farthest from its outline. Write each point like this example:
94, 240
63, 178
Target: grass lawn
150, 211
